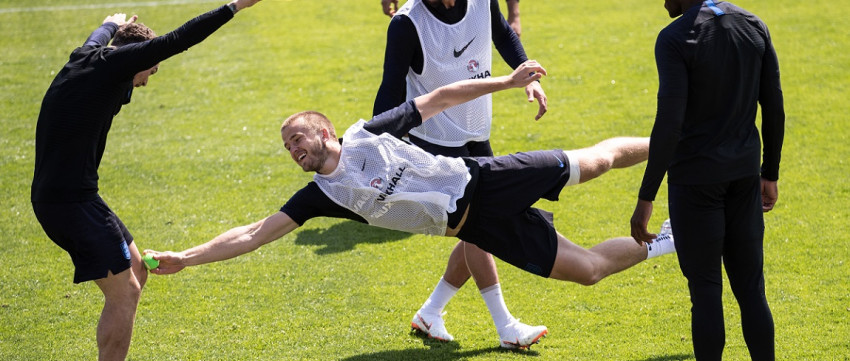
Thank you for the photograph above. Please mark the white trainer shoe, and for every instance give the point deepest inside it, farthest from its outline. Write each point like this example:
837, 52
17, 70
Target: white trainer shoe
431, 325
519, 335
665, 228
664, 243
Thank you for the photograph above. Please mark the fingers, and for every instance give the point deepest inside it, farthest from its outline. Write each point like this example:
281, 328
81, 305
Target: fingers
390, 7
541, 110
169, 262
535, 91
767, 206
133, 19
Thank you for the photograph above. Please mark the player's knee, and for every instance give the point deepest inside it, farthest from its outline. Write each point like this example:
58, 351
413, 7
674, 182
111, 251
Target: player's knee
589, 279
142, 278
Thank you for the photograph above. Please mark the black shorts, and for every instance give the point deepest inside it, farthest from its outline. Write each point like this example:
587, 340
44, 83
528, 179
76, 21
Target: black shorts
501, 220
470, 149
91, 233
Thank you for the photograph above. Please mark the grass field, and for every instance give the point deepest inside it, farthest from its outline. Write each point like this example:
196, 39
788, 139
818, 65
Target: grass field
198, 152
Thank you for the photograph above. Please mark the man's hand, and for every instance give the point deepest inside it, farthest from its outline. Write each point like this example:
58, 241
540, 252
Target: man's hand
169, 262
640, 218
390, 7
120, 19
535, 91
769, 194
241, 4
525, 74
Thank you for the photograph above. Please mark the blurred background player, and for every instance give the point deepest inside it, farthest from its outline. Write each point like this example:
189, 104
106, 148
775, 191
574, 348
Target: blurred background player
431, 43
76, 115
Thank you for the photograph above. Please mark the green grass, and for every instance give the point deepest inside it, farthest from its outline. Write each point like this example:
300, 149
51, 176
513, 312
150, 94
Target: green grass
198, 152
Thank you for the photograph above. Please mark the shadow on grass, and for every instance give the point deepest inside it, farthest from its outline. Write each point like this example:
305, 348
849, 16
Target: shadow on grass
436, 351
678, 357
343, 236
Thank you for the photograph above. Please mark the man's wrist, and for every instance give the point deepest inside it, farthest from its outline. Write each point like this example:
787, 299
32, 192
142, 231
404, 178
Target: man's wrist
232, 7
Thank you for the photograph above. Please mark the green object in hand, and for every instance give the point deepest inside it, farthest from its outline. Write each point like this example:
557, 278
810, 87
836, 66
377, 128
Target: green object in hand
150, 263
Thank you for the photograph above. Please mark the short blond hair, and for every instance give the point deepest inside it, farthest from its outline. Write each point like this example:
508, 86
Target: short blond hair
313, 120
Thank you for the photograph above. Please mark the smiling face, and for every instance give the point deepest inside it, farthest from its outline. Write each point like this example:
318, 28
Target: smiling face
306, 146
311, 141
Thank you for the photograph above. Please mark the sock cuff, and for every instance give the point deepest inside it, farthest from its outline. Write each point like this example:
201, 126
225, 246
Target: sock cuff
444, 283
491, 288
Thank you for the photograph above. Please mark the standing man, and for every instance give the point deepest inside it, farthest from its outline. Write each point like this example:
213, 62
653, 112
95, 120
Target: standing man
431, 43
716, 64
70, 138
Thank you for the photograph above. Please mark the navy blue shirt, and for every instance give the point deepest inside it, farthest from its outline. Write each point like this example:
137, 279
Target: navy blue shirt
77, 110
714, 71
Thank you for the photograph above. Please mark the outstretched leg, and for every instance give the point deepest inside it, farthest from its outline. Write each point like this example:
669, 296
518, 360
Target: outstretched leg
621, 152
589, 266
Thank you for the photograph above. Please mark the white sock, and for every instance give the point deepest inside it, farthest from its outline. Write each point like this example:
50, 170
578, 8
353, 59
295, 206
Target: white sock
660, 246
496, 304
439, 298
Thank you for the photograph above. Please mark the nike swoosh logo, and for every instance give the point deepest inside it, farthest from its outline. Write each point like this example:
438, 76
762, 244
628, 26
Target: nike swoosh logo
459, 53
560, 162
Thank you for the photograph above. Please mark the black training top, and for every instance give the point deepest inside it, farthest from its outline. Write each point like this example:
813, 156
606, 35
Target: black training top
311, 202
715, 65
404, 51
88, 92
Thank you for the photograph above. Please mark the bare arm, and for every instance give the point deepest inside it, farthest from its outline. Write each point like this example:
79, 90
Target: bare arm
513, 16
463, 91
235, 242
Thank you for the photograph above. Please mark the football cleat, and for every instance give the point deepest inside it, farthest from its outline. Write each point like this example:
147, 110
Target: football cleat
431, 325
517, 335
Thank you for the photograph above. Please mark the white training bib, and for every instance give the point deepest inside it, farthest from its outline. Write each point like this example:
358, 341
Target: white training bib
395, 185
452, 52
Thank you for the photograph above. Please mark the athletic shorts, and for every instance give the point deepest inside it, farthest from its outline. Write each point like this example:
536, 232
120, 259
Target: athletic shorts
91, 233
501, 220
470, 149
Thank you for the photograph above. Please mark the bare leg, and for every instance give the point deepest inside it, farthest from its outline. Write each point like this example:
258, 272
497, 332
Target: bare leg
121, 292
457, 273
611, 153
589, 266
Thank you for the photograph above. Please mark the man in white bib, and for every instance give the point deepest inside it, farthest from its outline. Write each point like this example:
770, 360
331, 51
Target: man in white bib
373, 177
431, 43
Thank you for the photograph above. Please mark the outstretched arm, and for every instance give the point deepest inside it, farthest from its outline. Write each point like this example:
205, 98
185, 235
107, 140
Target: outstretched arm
140, 56
235, 242
463, 91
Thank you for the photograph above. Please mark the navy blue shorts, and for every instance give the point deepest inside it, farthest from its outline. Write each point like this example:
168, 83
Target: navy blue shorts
91, 233
501, 218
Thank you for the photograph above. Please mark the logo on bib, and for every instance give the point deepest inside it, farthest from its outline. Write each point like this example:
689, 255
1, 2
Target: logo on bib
377, 183
472, 66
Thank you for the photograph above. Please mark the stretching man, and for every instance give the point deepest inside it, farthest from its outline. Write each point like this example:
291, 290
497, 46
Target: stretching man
431, 43
70, 138
373, 177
